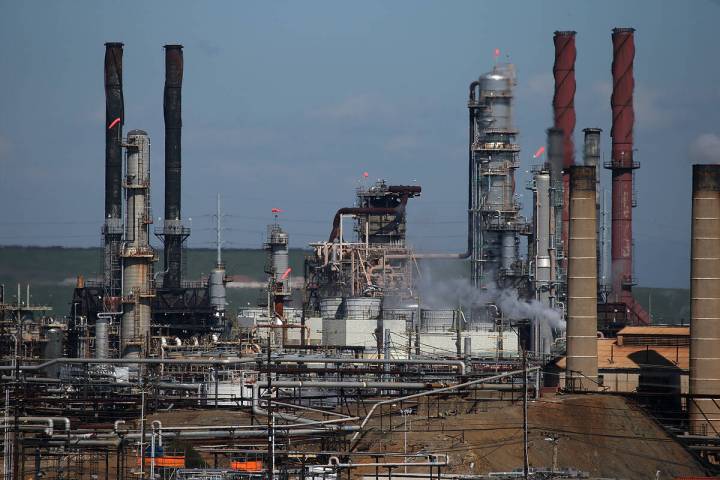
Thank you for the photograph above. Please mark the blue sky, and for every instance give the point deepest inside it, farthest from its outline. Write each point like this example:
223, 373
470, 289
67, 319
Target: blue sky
285, 104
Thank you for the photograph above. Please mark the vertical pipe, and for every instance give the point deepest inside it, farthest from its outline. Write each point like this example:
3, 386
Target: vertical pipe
705, 301
114, 121
174, 233
581, 368
564, 107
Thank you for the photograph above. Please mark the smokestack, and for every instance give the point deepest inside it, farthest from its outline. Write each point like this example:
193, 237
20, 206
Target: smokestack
564, 108
581, 368
591, 157
622, 165
705, 301
591, 149
114, 120
174, 233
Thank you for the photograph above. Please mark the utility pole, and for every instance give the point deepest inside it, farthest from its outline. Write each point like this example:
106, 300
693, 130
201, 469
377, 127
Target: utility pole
526, 466
270, 423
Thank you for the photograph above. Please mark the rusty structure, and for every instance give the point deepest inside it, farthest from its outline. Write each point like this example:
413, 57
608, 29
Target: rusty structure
581, 368
622, 165
564, 111
705, 302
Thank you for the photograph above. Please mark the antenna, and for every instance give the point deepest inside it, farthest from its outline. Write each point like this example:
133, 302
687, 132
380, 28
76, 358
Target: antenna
218, 232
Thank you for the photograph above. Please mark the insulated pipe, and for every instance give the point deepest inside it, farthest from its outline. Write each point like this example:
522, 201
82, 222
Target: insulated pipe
347, 384
459, 364
564, 107
131, 361
581, 360
705, 302
172, 108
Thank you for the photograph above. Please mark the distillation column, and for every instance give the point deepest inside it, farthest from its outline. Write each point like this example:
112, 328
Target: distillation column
705, 301
582, 366
114, 120
217, 278
542, 275
494, 208
138, 255
557, 204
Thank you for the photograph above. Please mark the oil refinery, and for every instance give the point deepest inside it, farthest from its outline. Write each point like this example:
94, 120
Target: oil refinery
360, 365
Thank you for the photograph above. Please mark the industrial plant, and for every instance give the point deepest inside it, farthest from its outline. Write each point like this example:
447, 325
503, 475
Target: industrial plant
362, 365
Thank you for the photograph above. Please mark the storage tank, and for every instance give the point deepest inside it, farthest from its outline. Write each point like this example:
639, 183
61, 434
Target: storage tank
331, 307
362, 308
53, 349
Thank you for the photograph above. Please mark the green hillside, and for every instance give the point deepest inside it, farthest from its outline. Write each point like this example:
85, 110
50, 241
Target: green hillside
52, 271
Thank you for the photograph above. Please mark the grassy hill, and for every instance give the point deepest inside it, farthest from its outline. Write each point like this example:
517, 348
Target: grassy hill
52, 271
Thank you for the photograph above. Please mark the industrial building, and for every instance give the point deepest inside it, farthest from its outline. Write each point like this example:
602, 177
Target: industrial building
150, 375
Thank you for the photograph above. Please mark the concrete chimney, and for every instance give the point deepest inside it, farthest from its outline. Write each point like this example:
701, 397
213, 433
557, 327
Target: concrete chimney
705, 301
581, 368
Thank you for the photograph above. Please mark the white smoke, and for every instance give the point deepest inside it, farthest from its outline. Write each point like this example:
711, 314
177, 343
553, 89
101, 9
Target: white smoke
460, 293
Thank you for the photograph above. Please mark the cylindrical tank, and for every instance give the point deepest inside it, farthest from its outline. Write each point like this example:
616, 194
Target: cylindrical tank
278, 242
137, 184
362, 308
467, 346
53, 349
581, 360
509, 250
102, 324
497, 87
331, 307
705, 301
216, 287
135, 325
437, 319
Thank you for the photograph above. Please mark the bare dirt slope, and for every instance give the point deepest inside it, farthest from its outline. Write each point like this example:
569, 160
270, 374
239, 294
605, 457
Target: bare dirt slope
600, 434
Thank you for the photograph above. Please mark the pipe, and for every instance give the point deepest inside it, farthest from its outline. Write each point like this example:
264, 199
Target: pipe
395, 361
564, 108
581, 359
354, 440
346, 384
172, 108
126, 361
705, 302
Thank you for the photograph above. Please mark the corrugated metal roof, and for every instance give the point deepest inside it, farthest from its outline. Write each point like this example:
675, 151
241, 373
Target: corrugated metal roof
655, 330
611, 356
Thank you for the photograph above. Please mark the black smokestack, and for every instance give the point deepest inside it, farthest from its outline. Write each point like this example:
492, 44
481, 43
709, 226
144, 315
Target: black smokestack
114, 109
174, 233
114, 120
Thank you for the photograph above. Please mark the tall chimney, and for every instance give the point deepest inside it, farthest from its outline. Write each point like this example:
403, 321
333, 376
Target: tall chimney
174, 233
114, 120
705, 301
564, 108
591, 157
622, 165
582, 368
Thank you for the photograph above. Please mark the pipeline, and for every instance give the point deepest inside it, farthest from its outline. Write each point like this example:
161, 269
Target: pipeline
354, 440
130, 361
459, 364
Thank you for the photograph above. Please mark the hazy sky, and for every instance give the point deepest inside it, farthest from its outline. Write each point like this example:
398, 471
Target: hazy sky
285, 104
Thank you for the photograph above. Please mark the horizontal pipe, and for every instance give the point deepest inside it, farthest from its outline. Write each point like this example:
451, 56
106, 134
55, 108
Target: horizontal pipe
396, 361
345, 384
126, 361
